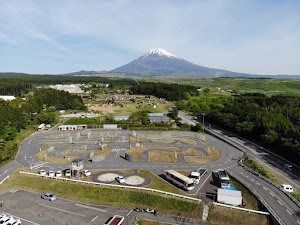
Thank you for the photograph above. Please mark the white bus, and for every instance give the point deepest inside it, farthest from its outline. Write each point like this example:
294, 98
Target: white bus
179, 179
41, 127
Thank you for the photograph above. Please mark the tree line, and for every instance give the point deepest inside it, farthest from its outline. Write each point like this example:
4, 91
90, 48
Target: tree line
171, 92
273, 121
40, 107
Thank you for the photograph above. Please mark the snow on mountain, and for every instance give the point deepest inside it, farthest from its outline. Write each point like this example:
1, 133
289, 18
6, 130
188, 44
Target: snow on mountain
160, 52
159, 62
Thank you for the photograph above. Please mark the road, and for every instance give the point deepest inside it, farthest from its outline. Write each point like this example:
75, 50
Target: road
275, 200
279, 204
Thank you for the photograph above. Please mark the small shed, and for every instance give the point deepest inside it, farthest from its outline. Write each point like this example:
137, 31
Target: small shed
158, 117
121, 117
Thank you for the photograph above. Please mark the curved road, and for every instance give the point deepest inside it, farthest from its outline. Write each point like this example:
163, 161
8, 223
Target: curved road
277, 202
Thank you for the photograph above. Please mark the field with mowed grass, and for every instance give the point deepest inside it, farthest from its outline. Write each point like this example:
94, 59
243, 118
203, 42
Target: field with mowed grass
93, 194
240, 85
226, 216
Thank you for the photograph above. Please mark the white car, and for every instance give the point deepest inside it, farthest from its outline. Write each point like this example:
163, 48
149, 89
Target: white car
67, 172
86, 173
287, 188
42, 172
51, 173
58, 173
120, 179
14, 222
6, 220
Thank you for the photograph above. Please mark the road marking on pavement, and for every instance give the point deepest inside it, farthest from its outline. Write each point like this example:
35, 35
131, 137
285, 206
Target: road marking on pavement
22, 219
258, 183
298, 222
90, 207
95, 218
289, 212
271, 194
246, 175
129, 212
252, 180
279, 202
265, 188
62, 210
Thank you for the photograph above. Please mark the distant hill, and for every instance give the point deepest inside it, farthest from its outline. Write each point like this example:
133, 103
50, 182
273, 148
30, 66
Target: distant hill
158, 62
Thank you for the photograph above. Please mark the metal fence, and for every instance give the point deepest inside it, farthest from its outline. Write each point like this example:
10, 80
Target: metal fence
116, 186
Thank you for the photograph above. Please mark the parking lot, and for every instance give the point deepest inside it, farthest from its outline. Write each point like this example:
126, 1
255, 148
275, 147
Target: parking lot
31, 209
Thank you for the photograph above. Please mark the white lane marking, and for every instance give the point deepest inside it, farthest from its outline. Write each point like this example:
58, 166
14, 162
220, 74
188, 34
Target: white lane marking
5, 171
279, 202
90, 207
298, 222
258, 183
22, 219
271, 194
265, 188
252, 180
95, 218
129, 212
289, 212
62, 210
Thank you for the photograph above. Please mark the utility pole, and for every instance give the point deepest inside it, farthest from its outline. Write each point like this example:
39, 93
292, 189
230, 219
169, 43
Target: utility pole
203, 114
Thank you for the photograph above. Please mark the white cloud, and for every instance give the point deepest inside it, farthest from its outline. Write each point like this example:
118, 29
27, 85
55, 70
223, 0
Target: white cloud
225, 34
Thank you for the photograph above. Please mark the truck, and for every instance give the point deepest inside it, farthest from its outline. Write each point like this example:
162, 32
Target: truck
230, 197
195, 176
223, 179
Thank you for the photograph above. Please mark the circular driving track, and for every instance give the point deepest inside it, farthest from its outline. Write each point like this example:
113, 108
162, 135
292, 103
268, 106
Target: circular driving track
132, 179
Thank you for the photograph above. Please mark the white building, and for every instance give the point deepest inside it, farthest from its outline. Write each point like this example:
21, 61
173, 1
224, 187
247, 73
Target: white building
7, 97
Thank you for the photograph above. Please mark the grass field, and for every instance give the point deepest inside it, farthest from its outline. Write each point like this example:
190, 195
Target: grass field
226, 216
214, 155
92, 194
240, 85
162, 156
151, 222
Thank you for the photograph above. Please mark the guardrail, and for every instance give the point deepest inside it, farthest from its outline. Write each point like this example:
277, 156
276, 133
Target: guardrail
114, 185
243, 209
239, 146
274, 214
272, 183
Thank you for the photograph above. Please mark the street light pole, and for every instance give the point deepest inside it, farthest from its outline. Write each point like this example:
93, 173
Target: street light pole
203, 114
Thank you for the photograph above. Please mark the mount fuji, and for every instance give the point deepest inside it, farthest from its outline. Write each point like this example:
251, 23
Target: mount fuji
159, 62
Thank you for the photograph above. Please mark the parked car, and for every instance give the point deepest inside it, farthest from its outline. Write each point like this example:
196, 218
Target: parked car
120, 179
51, 173
14, 222
67, 172
287, 187
86, 173
6, 220
42, 172
48, 196
58, 173
2, 215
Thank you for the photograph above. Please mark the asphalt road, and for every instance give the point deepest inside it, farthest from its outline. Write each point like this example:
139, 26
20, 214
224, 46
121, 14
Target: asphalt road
286, 209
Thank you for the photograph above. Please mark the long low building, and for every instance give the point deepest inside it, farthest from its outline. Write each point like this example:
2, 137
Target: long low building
73, 127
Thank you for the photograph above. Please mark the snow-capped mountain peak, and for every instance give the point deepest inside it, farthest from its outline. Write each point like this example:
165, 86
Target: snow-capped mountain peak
160, 52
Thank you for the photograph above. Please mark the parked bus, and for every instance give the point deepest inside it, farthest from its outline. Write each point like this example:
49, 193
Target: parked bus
41, 127
183, 181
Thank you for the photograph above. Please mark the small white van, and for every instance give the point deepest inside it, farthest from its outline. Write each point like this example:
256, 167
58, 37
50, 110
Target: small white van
287, 187
288, 167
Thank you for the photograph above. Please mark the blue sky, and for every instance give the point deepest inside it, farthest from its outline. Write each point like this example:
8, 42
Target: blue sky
61, 36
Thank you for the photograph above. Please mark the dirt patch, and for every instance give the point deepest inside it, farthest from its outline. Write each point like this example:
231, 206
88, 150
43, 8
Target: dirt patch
214, 155
161, 156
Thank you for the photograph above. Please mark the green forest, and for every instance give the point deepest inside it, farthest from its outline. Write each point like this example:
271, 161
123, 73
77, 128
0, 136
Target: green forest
272, 121
40, 107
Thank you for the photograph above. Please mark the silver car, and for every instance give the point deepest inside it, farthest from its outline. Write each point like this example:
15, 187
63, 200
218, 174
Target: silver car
48, 196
